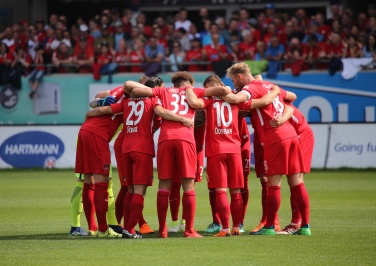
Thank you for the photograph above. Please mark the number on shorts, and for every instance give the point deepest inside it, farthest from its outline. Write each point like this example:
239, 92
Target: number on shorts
137, 110
220, 110
180, 100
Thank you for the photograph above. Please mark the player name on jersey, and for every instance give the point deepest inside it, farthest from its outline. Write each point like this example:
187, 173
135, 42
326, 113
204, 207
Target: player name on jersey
222, 131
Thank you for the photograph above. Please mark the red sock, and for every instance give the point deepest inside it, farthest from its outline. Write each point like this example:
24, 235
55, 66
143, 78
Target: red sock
236, 208
189, 207
126, 211
89, 207
264, 195
296, 218
212, 199
119, 204
141, 220
302, 199
174, 199
162, 206
136, 207
101, 205
223, 208
274, 201
245, 197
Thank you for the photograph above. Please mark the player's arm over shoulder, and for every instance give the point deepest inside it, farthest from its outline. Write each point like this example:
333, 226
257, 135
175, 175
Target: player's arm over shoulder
192, 99
103, 110
240, 97
266, 99
168, 115
136, 89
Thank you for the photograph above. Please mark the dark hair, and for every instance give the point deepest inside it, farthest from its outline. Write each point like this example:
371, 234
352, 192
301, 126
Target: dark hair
6, 47
154, 82
182, 76
368, 48
313, 38
143, 79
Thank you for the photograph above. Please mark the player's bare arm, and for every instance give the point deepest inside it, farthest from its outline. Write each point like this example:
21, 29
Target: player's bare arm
103, 110
286, 115
130, 85
192, 99
168, 115
290, 96
237, 98
103, 94
266, 99
217, 91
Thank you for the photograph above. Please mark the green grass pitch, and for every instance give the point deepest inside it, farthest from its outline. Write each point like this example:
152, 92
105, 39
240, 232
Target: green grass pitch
35, 222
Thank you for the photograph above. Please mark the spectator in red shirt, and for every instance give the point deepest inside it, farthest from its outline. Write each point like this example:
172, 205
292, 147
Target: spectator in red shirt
83, 56
127, 25
271, 31
195, 55
353, 48
290, 33
270, 11
336, 28
41, 33
215, 52
296, 55
302, 18
236, 55
316, 52
335, 47
84, 31
62, 57
161, 23
106, 61
22, 61
137, 56
6, 57
248, 46
146, 29
135, 35
122, 56
323, 29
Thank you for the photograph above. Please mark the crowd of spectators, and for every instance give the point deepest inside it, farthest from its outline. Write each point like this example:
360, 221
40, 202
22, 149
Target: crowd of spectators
117, 41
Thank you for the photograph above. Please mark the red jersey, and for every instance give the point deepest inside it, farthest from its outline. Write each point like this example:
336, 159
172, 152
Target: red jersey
122, 58
135, 58
6, 57
39, 61
299, 122
268, 134
213, 53
83, 54
243, 131
337, 50
107, 125
104, 59
41, 36
138, 115
222, 133
192, 56
174, 99
248, 49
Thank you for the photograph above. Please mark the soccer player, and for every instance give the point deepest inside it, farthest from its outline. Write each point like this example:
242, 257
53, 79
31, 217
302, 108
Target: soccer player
282, 154
174, 198
76, 199
306, 141
93, 160
138, 149
223, 149
176, 148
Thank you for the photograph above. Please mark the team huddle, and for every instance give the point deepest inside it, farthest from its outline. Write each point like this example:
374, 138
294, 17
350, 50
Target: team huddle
187, 118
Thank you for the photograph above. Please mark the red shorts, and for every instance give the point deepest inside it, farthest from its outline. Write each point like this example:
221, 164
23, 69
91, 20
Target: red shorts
138, 168
306, 147
119, 158
199, 134
283, 158
258, 152
225, 171
93, 154
176, 157
246, 161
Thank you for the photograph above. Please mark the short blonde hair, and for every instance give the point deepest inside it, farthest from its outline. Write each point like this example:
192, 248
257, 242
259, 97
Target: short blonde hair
238, 68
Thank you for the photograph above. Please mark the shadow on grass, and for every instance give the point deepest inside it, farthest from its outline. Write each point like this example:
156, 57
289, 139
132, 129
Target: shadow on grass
66, 236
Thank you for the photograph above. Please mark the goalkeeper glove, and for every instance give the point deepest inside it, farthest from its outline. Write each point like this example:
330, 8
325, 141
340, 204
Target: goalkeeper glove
106, 101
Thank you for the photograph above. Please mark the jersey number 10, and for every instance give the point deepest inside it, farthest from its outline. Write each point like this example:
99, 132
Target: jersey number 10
220, 110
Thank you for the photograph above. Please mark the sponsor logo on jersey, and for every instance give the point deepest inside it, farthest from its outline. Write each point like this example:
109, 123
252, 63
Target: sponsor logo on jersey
32, 149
